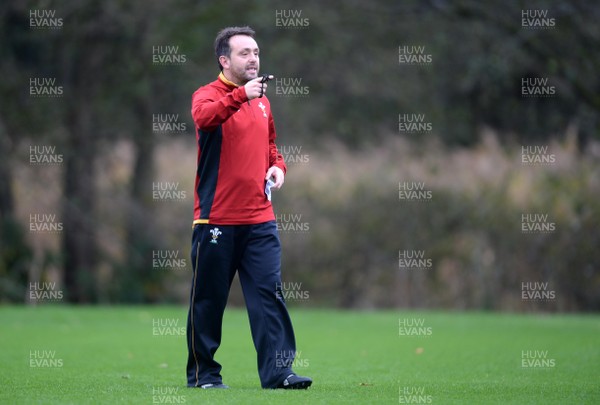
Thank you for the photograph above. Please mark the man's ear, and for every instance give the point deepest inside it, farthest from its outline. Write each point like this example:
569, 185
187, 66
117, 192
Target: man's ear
224, 60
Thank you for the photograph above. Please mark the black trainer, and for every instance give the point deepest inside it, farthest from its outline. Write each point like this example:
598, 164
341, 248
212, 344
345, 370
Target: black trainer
295, 382
218, 385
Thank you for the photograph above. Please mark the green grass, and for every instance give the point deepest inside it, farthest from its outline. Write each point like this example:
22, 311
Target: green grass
110, 356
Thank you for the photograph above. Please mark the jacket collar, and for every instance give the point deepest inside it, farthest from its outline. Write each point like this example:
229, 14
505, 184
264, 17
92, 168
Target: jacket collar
227, 82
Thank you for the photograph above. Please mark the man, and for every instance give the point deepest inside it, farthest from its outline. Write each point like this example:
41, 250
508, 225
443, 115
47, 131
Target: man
234, 225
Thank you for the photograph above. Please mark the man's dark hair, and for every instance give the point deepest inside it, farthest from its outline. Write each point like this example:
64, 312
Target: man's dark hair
222, 40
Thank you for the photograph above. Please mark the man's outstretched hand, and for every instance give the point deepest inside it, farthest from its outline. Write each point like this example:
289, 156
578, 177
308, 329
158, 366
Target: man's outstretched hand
257, 87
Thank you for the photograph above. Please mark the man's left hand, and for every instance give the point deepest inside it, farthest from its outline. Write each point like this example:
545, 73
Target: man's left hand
277, 176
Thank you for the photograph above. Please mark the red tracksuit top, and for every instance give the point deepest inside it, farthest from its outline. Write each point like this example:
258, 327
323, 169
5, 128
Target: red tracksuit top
236, 147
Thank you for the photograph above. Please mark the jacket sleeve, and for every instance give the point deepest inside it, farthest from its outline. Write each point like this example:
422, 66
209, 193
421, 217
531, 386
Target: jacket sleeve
275, 158
209, 109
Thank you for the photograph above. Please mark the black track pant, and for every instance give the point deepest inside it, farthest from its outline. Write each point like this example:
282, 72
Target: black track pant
218, 251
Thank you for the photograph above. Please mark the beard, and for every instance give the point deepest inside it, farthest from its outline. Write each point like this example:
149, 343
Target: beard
244, 74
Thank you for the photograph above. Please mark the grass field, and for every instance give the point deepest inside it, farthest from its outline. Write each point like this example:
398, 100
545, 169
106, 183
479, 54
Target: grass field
136, 355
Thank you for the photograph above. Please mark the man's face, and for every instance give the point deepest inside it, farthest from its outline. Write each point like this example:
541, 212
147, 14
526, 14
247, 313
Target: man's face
243, 63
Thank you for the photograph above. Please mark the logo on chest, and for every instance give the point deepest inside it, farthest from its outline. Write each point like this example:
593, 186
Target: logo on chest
262, 107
